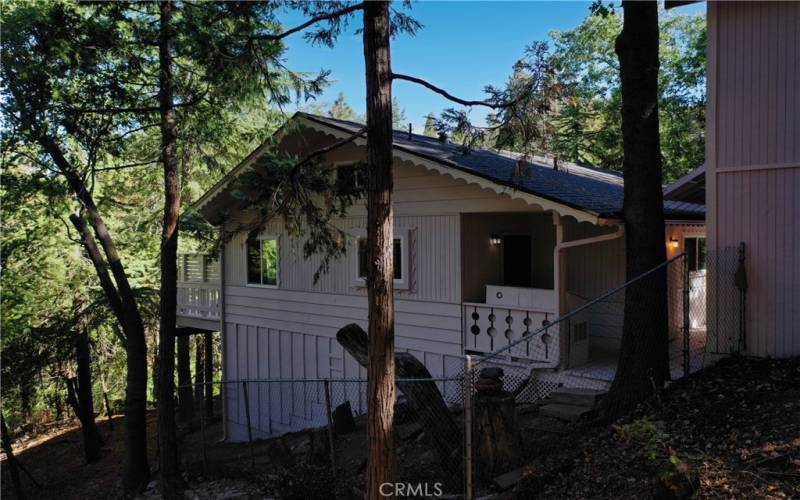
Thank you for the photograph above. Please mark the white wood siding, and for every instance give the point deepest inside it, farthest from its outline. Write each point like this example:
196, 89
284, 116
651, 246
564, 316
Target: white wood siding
753, 160
289, 331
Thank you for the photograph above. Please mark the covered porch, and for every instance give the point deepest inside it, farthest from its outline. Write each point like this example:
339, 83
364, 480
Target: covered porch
521, 271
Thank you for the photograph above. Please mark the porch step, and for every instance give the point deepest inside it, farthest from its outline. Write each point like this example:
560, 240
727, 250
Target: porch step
570, 413
577, 396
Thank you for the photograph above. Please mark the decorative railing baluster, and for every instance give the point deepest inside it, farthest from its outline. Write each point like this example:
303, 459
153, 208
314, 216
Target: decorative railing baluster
546, 337
492, 331
475, 328
509, 332
527, 322
483, 319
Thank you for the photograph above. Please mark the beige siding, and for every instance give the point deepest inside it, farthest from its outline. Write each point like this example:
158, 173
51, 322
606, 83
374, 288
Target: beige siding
433, 260
593, 269
753, 160
289, 331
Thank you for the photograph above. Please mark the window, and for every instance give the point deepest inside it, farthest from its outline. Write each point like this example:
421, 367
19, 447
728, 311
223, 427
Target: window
351, 179
695, 248
400, 256
262, 261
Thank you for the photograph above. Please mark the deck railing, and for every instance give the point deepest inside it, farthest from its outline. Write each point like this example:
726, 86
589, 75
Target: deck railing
198, 300
488, 328
198, 286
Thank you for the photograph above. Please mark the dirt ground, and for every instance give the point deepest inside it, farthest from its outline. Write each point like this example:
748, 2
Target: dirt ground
734, 428
55, 460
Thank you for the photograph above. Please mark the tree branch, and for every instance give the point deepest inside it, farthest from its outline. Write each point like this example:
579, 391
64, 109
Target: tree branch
99, 263
313, 20
329, 148
447, 95
142, 109
128, 165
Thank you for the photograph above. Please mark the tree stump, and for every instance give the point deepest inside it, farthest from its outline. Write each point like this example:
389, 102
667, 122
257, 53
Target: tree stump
499, 444
343, 421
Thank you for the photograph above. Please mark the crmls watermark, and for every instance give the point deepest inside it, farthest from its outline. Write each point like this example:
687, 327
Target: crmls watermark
411, 489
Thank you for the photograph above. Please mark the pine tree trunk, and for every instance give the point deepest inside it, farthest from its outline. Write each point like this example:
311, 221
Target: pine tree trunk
91, 436
135, 468
168, 449
208, 361
644, 358
11, 460
185, 400
156, 367
380, 370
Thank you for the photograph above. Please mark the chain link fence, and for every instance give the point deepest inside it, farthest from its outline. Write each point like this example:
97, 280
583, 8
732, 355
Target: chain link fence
456, 434
318, 426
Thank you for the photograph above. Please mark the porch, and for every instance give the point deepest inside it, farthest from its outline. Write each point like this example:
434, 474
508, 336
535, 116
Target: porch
199, 292
523, 271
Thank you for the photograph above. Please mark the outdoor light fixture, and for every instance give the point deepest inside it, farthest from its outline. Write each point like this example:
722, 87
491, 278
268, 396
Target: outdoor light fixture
495, 239
673, 243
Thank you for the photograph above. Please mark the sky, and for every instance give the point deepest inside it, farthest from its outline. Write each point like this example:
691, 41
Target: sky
462, 47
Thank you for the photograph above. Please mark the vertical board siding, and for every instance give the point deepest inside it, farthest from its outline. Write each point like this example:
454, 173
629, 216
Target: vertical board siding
433, 258
753, 161
756, 91
264, 355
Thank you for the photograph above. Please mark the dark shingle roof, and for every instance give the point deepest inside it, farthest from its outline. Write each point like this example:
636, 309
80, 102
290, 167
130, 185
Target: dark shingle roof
591, 189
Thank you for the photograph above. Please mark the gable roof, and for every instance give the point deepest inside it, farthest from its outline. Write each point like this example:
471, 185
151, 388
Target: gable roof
691, 187
594, 190
597, 192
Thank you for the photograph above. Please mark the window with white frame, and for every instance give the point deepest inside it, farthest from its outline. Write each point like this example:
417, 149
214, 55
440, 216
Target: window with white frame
399, 254
695, 248
262, 261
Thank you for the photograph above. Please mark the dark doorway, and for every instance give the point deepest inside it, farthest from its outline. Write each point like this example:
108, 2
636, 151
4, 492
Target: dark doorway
517, 260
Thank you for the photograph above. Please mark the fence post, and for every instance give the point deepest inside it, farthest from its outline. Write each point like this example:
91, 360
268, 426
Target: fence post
741, 283
203, 439
249, 428
468, 428
330, 425
686, 324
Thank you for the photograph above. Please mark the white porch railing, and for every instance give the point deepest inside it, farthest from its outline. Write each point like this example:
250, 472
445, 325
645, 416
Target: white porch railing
488, 328
198, 287
199, 300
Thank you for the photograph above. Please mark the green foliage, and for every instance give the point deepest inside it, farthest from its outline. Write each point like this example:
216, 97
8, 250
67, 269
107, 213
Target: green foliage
565, 102
675, 470
338, 109
574, 138
86, 76
302, 192
398, 115
588, 68
430, 126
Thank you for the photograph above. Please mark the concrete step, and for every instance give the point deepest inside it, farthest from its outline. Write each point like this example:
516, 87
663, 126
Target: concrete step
570, 413
577, 397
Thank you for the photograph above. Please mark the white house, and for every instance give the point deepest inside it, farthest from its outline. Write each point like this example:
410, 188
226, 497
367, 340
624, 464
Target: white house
475, 234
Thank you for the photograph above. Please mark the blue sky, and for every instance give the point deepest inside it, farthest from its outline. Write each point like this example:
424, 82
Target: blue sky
462, 47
